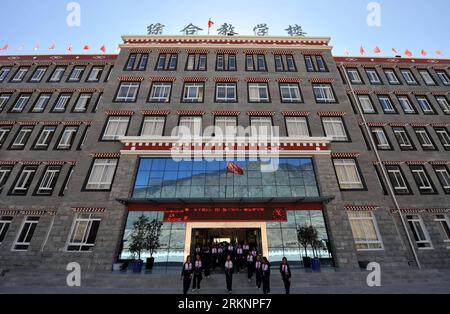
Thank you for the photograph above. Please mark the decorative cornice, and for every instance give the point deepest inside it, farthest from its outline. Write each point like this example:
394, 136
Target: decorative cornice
195, 79
119, 112
379, 60
345, 155
289, 80
226, 113
257, 79
131, 78
89, 210
331, 114
226, 79
191, 112
295, 113
105, 155
261, 113
155, 112
163, 78
359, 208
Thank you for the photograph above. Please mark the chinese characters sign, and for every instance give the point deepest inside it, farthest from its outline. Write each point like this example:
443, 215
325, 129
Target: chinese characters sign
218, 214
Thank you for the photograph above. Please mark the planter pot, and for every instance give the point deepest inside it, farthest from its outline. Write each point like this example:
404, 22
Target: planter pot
307, 262
150, 262
363, 264
315, 264
137, 266
117, 266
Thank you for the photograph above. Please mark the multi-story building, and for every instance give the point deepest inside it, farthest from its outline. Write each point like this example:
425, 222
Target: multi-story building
90, 143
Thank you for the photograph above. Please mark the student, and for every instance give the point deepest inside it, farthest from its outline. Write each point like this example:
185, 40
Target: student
206, 261
214, 253
285, 271
220, 254
250, 266
246, 248
229, 274
198, 269
239, 258
266, 275
258, 271
186, 274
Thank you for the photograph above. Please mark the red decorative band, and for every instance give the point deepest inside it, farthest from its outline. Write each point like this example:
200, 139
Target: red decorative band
419, 124
283, 52
195, 79
361, 208
382, 92
257, 79
28, 122
255, 51
226, 51
155, 112
131, 78
261, 113
163, 78
323, 80
106, 155
119, 112
226, 113
398, 124
67, 90
88, 210
50, 122
439, 125
439, 162
226, 79
169, 50
312, 52
289, 80
46, 90
345, 155
72, 122
331, 114
375, 124
7, 122
140, 50
191, 112
8, 162
202, 51
416, 163
296, 113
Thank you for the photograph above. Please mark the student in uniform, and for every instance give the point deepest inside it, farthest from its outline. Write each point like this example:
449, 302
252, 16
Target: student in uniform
186, 274
229, 274
250, 266
246, 248
214, 252
285, 271
266, 275
239, 258
206, 259
220, 254
258, 271
198, 270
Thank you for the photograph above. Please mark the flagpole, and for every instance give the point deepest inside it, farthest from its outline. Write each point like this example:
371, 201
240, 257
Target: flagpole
208, 25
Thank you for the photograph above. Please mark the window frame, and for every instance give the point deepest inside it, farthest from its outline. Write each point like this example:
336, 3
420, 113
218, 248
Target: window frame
32, 221
141, 129
200, 86
126, 100
374, 223
259, 85
106, 125
70, 146
283, 100
225, 100
83, 70
48, 140
89, 174
27, 184
39, 79
406, 188
442, 168
424, 231
57, 170
431, 147
86, 234
426, 176
153, 85
344, 127
26, 136
358, 171
335, 100
297, 117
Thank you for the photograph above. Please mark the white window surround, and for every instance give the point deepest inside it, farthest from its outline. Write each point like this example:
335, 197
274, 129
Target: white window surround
426, 76
116, 127
335, 128
48, 181
398, 180
127, 92
261, 126
290, 93
102, 174
406, 105
160, 92
420, 232
80, 232
348, 174
25, 234
324, 93
226, 92
354, 76
258, 92
153, 126
227, 125
297, 127
193, 92
444, 223
366, 104
373, 76
67, 137
193, 124
392, 77
365, 231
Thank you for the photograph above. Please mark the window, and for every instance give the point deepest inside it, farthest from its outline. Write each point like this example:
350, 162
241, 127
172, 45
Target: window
315, 64
143, 62
196, 62
160, 92
5, 222
255, 63
21, 138
386, 104
193, 92
426, 76
226, 125
4, 71
115, 128
67, 181
422, 179
261, 126
131, 62
297, 127
409, 77
392, 77
397, 180
83, 102
83, 234
258, 92
443, 102
443, 76
444, 137
41, 103
57, 74
354, 76
373, 76
190, 126
153, 126
26, 233
21, 103
366, 104
419, 231
226, 62
96, 74
98, 102
20, 74
285, 63
365, 231
23, 180
406, 105
76, 74
167, 62
83, 138
102, 174
324, 93
403, 139
4, 98
425, 105
444, 224
380, 138
5, 172
128, 92
347, 173
45, 137
67, 137
290, 93
334, 128
38, 74
4, 132
444, 177
424, 139
48, 181
61, 103
226, 92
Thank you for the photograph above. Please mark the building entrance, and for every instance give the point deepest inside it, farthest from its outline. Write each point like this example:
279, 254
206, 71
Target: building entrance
208, 237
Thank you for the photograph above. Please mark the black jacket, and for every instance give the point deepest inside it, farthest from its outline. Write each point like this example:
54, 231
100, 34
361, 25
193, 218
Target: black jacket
283, 274
187, 273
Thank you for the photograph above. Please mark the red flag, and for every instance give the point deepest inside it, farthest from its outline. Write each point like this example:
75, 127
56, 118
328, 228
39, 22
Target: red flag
394, 50
408, 53
87, 47
362, 51
103, 49
439, 53
52, 47
210, 23
424, 52
232, 167
377, 50
5, 47
70, 48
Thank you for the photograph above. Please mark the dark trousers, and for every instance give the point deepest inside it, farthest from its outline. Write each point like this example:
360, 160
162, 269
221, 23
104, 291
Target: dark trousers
196, 282
239, 262
250, 270
258, 279
287, 285
266, 284
229, 279
214, 261
186, 284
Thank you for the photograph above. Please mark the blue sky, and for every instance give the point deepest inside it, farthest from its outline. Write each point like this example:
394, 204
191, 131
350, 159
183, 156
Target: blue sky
405, 24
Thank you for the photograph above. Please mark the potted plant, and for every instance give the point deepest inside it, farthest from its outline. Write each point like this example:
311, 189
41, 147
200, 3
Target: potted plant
138, 241
304, 236
316, 245
152, 240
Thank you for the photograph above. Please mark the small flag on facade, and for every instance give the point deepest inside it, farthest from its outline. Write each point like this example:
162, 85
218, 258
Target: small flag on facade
70, 48
87, 47
408, 53
362, 51
232, 167
347, 52
424, 52
394, 50
103, 49
52, 47
439, 53
377, 50
5, 47
210, 23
